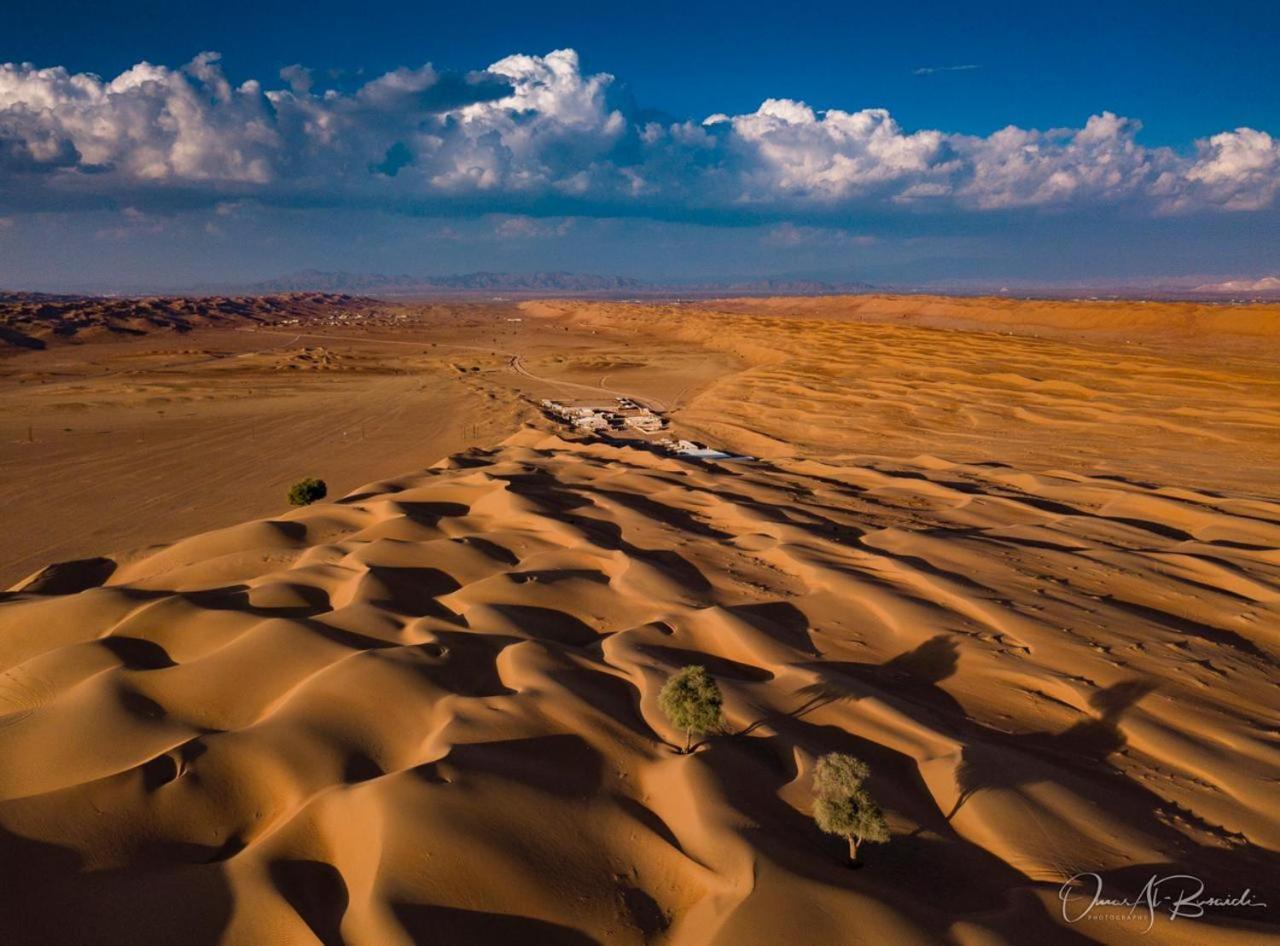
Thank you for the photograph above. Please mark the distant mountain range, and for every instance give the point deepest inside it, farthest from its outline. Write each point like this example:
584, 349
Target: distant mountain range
18, 297
551, 283
1266, 285
488, 285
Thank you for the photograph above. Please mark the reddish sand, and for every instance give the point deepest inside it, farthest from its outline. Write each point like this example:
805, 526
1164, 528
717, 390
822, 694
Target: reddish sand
1033, 582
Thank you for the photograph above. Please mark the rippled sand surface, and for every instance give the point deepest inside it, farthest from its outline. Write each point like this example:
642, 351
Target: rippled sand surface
1032, 579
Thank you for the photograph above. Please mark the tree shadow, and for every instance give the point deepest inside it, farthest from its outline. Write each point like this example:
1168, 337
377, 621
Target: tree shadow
965, 880
1079, 756
986, 761
912, 676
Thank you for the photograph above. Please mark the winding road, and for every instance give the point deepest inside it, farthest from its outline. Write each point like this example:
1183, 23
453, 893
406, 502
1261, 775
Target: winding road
515, 364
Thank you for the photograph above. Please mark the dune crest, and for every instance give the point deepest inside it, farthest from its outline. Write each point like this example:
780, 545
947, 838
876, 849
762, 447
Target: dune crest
427, 712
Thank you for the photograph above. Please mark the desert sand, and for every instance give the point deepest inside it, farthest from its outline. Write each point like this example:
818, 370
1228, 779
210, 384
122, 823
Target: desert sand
149, 436
1022, 558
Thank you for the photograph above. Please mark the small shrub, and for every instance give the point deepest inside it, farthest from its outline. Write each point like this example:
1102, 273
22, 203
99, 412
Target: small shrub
305, 492
844, 807
692, 702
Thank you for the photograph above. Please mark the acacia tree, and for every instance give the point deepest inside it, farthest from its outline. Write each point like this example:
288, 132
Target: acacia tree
305, 492
844, 807
692, 702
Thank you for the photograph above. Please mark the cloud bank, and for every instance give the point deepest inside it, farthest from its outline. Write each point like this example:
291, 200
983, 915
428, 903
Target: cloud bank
535, 133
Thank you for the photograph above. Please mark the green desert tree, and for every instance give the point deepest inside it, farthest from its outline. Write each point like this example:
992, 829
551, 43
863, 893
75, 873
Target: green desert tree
691, 701
305, 492
844, 807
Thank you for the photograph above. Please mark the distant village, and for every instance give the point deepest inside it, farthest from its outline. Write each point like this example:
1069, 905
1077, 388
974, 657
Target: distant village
627, 419
342, 319
626, 414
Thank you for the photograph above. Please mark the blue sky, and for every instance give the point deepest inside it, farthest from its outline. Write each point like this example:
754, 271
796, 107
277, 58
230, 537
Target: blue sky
907, 144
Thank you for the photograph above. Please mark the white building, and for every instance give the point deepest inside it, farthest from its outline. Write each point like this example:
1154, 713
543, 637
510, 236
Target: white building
646, 423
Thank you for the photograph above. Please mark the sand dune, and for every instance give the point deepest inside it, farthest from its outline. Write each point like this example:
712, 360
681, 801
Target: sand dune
427, 712
35, 322
1034, 582
1178, 393
144, 440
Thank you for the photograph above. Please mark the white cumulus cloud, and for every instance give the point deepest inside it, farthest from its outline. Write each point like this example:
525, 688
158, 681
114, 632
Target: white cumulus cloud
1239, 170
536, 131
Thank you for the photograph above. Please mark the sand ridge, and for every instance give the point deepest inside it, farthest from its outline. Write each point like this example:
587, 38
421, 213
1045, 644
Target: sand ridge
1178, 394
428, 711
33, 322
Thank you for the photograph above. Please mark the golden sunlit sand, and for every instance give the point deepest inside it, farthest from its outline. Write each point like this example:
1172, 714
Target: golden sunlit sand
1021, 558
